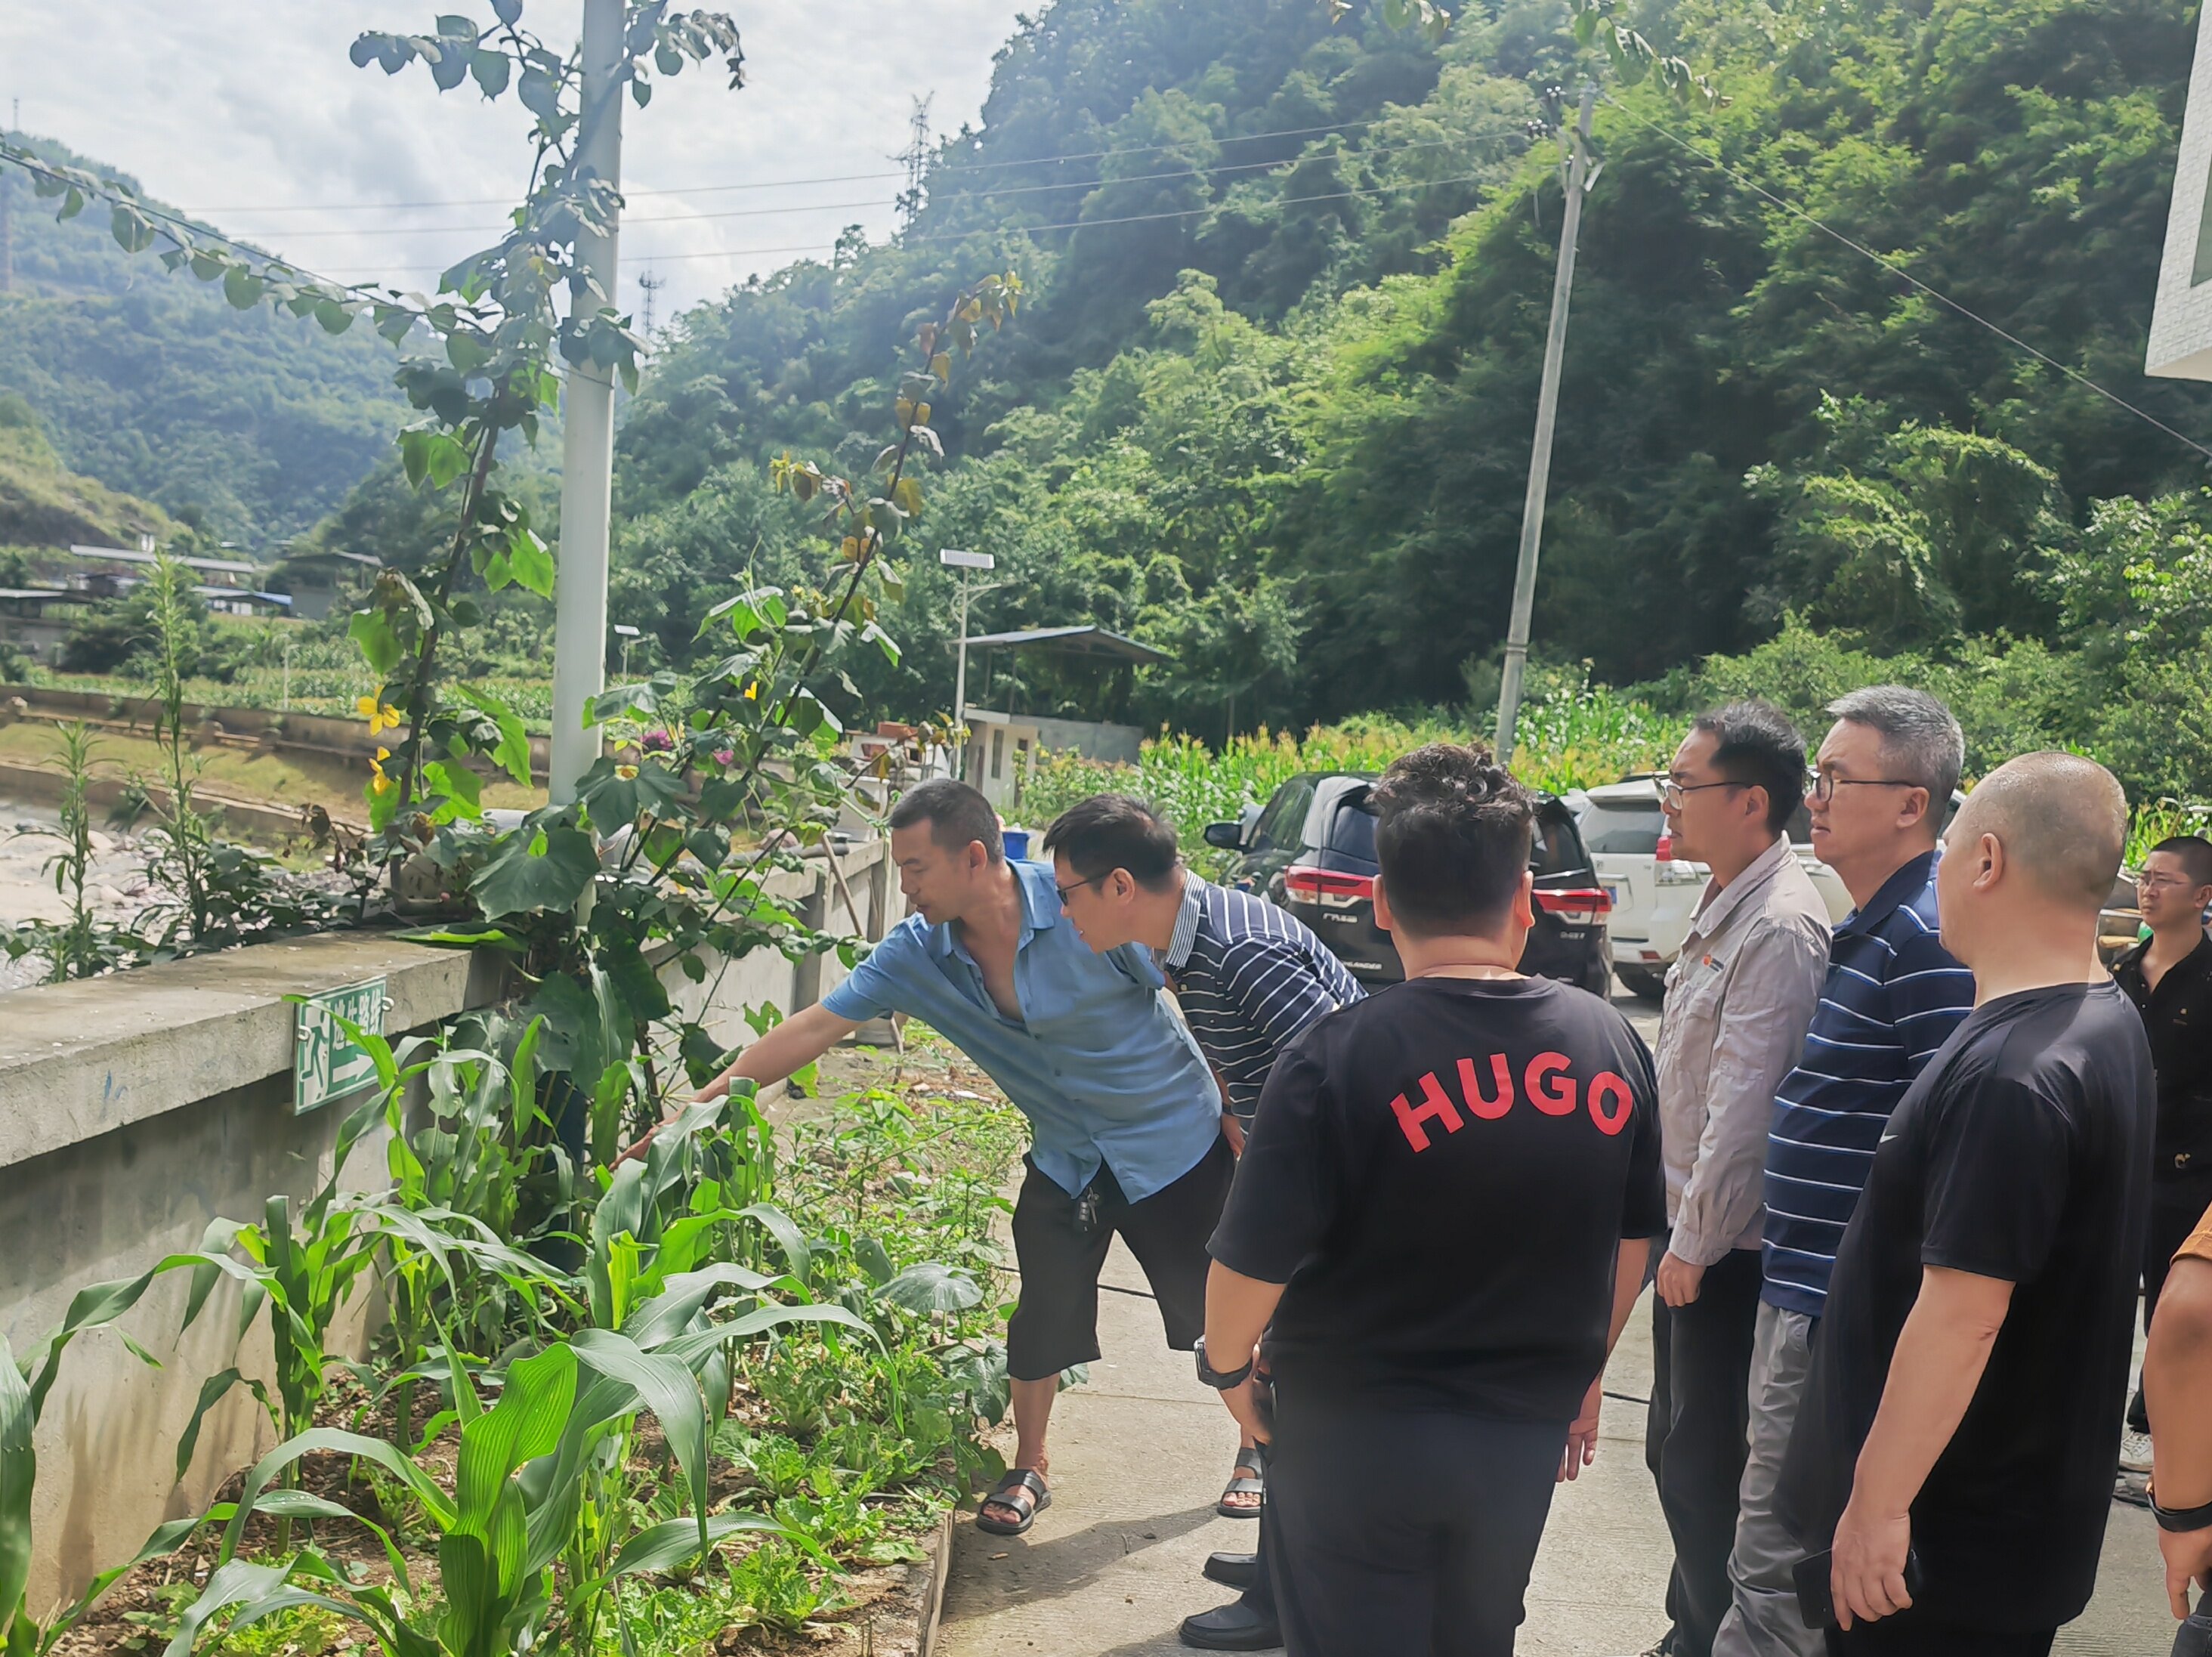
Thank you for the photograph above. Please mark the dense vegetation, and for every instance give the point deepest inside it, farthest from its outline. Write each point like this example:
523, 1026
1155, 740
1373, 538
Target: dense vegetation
249, 424
1284, 438
1269, 409
43, 504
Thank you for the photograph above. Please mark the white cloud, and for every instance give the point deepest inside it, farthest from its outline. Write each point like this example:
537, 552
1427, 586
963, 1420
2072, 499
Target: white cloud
249, 112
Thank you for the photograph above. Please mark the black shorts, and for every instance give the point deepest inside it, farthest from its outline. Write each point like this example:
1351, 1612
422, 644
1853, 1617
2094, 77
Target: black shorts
1055, 1324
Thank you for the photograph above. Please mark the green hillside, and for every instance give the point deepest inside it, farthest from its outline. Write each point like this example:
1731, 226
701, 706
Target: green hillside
43, 504
1270, 405
251, 424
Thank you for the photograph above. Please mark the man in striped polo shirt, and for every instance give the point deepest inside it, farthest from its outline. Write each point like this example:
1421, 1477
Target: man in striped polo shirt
1880, 790
1250, 980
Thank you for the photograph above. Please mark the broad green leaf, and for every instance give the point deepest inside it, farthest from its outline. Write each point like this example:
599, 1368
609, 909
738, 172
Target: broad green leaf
550, 869
932, 1287
379, 645
513, 750
530, 564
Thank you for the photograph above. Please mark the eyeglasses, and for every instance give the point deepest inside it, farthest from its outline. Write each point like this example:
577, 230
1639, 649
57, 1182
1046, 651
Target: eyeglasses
1076, 886
1671, 792
2159, 882
1822, 785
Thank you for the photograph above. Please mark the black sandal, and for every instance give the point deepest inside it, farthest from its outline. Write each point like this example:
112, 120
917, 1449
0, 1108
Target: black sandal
1241, 1482
1018, 1482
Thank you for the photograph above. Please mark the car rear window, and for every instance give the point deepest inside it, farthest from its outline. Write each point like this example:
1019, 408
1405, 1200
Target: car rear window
1352, 829
1557, 850
1622, 831
1554, 849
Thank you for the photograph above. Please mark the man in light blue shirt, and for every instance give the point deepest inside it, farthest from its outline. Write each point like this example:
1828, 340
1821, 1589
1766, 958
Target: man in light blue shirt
1124, 1116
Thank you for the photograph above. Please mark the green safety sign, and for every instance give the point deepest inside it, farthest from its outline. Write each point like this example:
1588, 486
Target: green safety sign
327, 1064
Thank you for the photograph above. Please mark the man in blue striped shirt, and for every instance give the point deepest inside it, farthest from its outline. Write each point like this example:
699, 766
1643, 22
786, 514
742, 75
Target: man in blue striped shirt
1250, 980
1880, 790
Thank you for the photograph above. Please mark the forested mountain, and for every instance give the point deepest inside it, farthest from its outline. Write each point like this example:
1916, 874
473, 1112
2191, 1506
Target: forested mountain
247, 424
1270, 404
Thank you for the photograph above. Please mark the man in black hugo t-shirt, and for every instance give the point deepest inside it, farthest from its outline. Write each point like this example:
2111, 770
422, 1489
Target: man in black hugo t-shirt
1444, 1206
1964, 1406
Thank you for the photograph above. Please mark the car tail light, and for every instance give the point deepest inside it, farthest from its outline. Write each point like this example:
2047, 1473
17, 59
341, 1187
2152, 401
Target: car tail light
1576, 903
1332, 887
1664, 851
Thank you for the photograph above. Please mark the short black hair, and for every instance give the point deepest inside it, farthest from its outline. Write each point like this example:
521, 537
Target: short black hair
1755, 744
1452, 833
1115, 831
955, 813
2195, 854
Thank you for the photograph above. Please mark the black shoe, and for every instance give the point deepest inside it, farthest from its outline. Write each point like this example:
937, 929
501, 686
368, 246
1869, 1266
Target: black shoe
1233, 1627
1233, 1570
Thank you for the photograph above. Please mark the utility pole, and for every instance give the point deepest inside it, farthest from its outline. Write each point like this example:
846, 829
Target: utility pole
1579, 179
588, 451
915, 159
953, 558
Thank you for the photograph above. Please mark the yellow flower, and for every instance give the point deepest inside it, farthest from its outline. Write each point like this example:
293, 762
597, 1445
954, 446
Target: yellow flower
379, 783
626, 772
381, 716
753, 691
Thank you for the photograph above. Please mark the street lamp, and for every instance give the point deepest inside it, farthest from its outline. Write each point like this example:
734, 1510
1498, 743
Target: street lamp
628, 635
955, 557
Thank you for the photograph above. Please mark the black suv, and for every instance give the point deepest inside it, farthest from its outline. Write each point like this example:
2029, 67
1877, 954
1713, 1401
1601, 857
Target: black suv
1311, 849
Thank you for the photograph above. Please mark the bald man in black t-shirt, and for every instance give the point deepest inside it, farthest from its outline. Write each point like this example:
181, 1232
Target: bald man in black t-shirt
1444, 1207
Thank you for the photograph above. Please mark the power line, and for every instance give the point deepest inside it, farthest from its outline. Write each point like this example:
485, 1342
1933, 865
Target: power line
628, 223
1034, 229
1904, 275
788, 184
1039, 230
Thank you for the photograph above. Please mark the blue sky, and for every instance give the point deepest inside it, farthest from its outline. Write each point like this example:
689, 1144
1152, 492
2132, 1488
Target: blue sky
248, 111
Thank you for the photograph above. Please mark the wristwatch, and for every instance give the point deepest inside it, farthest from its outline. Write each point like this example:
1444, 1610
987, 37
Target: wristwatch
1219, 1380
2183, 1519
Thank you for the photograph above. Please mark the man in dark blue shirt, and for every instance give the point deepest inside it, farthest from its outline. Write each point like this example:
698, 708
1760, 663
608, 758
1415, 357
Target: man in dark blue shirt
1882, 782
1249, 978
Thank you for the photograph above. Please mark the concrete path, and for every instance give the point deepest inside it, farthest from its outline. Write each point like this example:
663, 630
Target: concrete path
1139, 1455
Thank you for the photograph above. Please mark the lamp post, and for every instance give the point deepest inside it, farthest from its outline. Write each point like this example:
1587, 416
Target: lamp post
955, 557
628, 635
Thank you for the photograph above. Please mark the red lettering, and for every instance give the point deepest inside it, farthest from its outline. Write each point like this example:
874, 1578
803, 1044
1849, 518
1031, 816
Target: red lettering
1610, 1121
1502, 1101
1552, 1101
1436, 1105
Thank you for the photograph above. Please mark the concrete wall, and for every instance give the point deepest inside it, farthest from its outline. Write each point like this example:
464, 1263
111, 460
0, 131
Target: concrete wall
135, 1109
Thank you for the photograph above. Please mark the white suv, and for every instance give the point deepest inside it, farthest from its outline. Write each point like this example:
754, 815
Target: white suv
1654, 893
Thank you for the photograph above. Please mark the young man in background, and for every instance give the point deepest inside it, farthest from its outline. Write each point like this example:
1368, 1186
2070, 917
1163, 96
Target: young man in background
1443, 1211
1953, 1452
1250, 978
2168, 977
1892, 993
1738, 999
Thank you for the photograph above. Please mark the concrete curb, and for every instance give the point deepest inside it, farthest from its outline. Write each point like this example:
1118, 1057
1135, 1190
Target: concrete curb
37, 785
933, 1594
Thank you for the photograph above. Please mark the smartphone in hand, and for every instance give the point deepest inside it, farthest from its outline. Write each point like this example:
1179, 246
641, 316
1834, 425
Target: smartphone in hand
1816, 1601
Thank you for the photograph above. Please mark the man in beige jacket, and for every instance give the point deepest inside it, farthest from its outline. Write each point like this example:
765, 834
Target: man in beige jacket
1738, 1000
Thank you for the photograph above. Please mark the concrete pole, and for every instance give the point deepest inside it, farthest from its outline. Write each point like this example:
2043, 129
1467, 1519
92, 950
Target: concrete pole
1539, 462
588, 451
960, 681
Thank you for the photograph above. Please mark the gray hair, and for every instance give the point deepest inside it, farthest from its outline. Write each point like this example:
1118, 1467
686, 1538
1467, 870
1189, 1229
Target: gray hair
1921, 742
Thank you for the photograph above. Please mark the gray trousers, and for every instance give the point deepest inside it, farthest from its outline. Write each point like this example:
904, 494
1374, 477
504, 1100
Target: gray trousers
1763, 1622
